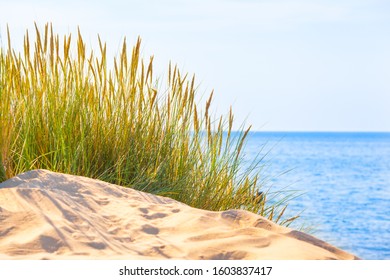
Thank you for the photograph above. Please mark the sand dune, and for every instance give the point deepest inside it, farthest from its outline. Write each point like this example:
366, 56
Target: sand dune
47, 215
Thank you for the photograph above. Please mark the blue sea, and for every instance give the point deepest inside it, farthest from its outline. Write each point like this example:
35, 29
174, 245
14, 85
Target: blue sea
344, 182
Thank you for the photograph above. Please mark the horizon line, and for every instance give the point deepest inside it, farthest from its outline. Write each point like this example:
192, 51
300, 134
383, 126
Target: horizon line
314, 131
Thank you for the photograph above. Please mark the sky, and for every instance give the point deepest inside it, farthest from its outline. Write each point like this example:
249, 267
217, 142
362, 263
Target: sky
283, 65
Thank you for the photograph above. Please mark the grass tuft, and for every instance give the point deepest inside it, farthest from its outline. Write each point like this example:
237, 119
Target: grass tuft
64, 110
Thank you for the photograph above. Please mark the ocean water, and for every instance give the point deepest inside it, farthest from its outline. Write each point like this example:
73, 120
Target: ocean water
344, 182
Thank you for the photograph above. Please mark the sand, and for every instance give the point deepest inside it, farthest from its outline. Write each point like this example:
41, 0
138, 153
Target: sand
47, 215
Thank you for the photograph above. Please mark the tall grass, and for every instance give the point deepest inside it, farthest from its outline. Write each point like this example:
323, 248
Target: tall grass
64, 110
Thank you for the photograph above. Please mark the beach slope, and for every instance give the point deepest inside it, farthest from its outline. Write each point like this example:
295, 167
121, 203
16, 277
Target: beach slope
47, 215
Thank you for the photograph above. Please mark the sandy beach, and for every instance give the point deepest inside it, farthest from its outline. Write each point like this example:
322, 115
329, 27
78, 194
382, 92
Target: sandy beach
47, 215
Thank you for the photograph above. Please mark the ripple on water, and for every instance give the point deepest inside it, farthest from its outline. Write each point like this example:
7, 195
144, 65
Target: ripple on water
346, 180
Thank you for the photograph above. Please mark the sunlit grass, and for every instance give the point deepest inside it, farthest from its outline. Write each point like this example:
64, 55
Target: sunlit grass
63, 109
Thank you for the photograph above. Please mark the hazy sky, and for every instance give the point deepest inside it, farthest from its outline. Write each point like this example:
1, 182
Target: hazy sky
297, 65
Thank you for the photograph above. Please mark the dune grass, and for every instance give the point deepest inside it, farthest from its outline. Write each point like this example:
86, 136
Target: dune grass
64, 110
